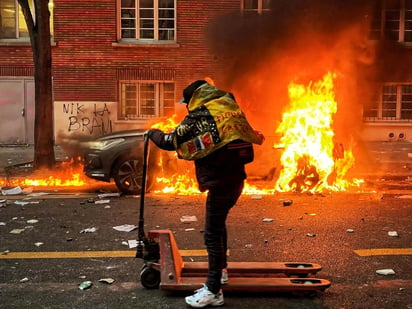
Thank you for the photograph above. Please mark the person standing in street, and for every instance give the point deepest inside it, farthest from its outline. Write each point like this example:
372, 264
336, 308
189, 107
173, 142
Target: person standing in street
218, 138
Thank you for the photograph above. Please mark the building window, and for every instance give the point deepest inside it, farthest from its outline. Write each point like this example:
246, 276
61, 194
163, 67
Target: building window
254, 7
12, 23
152, 20
395, 103
143, 100
392, 20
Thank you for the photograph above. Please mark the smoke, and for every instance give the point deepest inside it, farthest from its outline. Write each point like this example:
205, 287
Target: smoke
299, 41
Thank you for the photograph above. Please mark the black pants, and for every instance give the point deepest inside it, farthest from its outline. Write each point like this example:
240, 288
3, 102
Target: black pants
218, 203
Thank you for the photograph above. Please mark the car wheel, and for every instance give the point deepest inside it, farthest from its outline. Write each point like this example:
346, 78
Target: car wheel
127, 174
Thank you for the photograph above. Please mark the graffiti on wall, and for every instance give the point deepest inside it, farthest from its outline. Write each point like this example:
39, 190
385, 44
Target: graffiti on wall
87, 118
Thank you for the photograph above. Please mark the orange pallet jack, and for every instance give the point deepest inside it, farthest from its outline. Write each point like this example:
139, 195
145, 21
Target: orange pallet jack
164, 267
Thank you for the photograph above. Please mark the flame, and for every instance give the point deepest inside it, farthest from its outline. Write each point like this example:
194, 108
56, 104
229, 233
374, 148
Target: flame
69, 174
311, 160
183, 181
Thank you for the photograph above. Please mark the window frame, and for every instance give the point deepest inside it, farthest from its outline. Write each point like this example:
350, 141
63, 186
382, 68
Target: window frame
160, 107
18, 15
380, 19
259, 10
137, 28
379, 106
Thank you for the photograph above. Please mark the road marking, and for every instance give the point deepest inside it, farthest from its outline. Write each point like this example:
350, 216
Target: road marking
87, 254
384, 251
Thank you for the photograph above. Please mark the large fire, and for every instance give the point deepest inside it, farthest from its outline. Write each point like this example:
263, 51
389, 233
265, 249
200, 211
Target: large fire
311, 160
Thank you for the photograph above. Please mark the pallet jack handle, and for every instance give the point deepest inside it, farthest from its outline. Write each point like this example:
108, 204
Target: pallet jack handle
141, 233
147, 249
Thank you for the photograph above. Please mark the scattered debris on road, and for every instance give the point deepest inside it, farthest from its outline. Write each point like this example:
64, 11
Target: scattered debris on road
385, 272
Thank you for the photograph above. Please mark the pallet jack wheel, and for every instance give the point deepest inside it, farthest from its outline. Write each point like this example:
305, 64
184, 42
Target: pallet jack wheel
150, 277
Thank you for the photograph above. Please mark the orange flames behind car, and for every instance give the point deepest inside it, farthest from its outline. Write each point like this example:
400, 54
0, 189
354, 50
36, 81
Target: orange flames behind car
311, 160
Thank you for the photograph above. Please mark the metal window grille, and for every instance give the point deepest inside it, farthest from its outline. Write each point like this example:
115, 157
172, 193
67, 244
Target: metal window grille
145, 100
395, 104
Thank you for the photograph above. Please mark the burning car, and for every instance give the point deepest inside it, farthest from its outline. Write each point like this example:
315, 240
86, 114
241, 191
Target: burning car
119, 156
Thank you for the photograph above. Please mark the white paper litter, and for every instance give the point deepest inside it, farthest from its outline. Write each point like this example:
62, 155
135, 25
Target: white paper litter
22, 203
38, 244
393, 234
102, 202
267, 220
32, 221
88, 230
187, 219
104, 195
132, 243
17, 231
385, 272
14, 191
125, 227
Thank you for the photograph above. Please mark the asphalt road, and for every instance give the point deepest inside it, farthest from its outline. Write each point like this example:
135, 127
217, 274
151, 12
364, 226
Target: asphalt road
324, 229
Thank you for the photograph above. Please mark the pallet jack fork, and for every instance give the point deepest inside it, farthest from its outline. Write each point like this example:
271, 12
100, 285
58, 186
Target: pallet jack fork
164, 267
174, 274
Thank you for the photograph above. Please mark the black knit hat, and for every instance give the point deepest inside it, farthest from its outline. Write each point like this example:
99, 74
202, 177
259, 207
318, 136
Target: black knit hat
188, 91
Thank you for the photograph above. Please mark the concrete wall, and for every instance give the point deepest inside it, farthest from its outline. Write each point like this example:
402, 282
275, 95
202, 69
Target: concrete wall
387, 132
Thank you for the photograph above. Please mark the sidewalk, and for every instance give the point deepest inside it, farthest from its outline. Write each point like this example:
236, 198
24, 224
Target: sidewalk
20, 154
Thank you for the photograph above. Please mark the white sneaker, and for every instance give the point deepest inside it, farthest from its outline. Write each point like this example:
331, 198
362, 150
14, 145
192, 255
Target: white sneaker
203, 297
225, 277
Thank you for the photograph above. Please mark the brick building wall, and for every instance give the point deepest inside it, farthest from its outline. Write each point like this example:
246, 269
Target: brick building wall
88, 59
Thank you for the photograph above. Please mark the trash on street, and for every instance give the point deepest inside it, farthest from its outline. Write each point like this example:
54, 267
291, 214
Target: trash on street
187, 219
88, 230
85, 285
385, 272
13, 191
393, 234
107, 280
17, 231
125, 227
